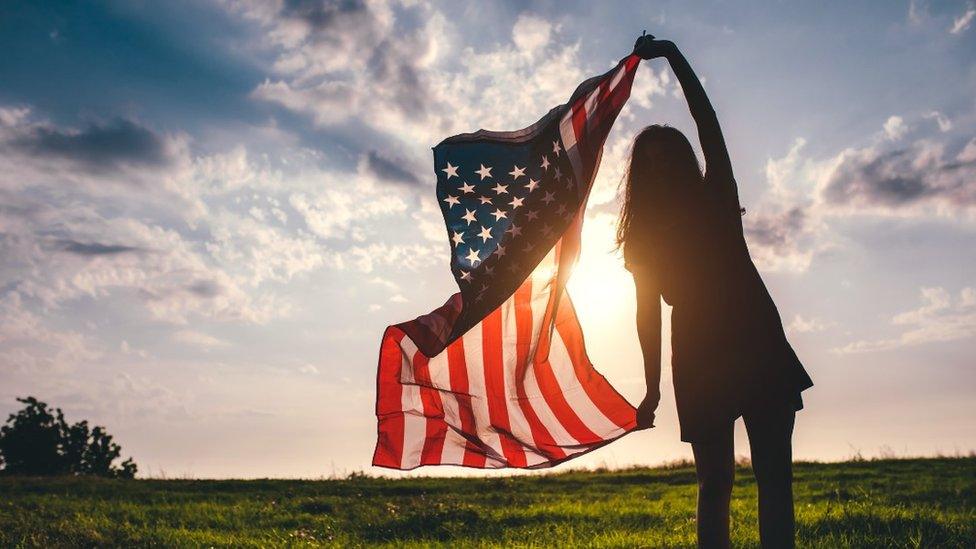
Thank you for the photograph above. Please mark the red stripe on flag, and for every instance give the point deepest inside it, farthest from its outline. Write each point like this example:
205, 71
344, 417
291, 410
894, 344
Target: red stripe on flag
458, 372
389, 410
433, 411
523, 323
491, 330
560, 407
546, 378
601, 393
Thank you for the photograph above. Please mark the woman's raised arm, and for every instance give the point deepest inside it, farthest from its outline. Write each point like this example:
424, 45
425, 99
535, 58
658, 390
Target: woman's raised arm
718, 166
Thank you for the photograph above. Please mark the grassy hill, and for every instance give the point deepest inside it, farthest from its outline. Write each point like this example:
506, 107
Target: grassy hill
887, 503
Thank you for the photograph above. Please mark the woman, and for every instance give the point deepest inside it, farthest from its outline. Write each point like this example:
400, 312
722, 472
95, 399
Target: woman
681, 234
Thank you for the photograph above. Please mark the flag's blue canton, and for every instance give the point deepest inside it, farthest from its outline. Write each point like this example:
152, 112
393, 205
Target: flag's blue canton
505, 205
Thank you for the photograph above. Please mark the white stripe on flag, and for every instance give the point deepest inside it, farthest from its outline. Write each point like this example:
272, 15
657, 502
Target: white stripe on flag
516, 418
567, 130
541, 289
579, 400
414, 422
475, 364
440, 377
559, 433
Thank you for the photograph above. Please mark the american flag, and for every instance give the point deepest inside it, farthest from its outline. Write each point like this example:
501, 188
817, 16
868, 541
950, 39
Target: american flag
498, 376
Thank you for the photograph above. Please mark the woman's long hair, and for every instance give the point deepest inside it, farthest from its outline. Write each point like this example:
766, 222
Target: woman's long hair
662, 183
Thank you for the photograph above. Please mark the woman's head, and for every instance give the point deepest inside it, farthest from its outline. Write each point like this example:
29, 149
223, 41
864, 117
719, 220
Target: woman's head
662, 182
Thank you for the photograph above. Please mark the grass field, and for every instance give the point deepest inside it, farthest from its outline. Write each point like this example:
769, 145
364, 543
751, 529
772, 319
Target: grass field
887, 503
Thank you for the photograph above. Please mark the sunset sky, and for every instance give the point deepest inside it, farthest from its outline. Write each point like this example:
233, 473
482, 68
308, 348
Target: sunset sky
210, 211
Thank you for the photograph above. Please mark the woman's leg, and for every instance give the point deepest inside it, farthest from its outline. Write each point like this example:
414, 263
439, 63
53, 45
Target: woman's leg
770, 434
715, 465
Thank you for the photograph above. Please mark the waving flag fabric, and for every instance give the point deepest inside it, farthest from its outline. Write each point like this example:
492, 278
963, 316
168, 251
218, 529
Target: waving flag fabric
498, 376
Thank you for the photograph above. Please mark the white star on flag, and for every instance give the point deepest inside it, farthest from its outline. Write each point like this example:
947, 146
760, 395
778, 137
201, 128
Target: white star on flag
516, 172
450, 170
484, 172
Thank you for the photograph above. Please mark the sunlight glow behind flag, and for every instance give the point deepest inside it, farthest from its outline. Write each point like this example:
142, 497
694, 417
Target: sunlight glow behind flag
498, 376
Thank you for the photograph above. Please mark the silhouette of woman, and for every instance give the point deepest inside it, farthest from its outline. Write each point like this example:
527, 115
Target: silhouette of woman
682, 239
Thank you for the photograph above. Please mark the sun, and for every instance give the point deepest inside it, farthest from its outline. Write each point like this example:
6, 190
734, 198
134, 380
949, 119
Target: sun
600, 285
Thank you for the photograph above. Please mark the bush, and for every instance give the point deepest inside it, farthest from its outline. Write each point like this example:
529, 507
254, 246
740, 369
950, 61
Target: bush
38, 441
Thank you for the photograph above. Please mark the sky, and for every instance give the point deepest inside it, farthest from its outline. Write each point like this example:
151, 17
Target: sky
210, 211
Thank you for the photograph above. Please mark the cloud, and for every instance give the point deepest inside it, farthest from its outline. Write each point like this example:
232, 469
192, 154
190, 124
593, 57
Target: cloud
917, 12
895, 128
940, 318
780, 240
961, 23
884, 180
98, 147
384, 66
334, 213
944, 123
784, 230
95, 248
343, 59
28, 344
119, 161
801, 325
387, 168
531, 33
198, 339
65, 238
366, 258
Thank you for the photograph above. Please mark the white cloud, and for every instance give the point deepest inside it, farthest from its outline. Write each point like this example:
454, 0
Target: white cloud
917, 12
411, 257
801, 325
938, 319
198, 339
364, 63
254, 251
944, 123
918, 179
968, 153
29, 344
531, 33
784, 229
961, 23
895, 128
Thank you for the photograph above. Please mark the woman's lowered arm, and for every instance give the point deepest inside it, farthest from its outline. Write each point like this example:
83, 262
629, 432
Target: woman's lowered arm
649, 334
